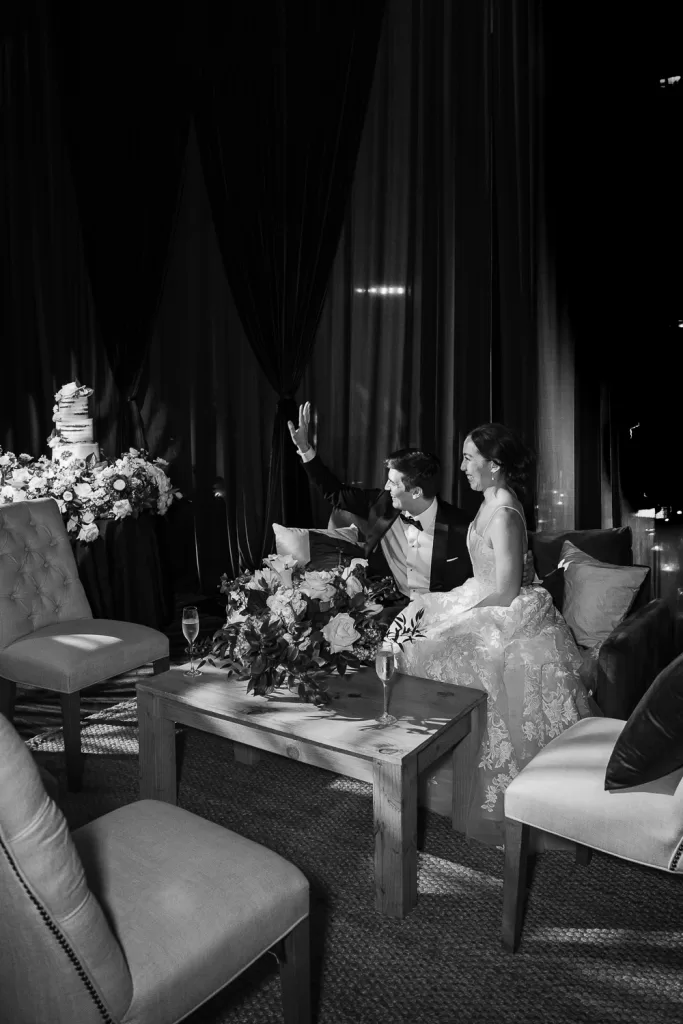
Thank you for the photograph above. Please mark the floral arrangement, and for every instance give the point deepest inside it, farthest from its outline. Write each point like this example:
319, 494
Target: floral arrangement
86, 491
287, 626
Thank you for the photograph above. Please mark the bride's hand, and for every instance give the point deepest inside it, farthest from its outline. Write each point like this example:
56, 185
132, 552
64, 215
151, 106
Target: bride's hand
529, 573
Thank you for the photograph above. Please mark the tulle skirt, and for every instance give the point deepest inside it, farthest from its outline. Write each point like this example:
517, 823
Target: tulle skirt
526, 660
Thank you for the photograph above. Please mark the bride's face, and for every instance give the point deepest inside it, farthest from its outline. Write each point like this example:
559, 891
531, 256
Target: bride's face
476, 468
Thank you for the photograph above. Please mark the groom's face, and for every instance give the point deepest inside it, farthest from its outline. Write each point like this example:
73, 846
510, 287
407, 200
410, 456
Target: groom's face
400, 497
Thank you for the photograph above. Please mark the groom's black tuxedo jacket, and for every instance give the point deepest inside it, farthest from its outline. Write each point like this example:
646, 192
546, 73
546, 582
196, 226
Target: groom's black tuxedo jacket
451, 563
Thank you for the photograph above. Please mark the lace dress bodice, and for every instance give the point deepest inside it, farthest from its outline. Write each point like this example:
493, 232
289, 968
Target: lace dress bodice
482, 554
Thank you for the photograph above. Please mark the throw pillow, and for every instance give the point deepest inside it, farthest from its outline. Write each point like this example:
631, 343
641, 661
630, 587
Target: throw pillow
650, 745
597, 596
608, 545
317, 549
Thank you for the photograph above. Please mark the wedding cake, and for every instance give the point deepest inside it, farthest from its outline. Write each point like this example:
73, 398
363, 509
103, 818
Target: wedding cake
72, 436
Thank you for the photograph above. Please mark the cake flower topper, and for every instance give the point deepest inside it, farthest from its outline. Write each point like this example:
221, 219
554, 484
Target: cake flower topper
73, 390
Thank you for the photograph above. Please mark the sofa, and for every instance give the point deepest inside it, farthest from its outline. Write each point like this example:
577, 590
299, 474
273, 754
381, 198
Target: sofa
628, 660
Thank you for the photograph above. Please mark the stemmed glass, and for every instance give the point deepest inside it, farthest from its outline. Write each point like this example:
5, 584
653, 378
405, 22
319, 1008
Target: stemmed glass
385, 667
190, 630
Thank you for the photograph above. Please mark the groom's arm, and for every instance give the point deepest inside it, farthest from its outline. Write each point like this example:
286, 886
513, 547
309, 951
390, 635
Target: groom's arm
340, 495
356, 500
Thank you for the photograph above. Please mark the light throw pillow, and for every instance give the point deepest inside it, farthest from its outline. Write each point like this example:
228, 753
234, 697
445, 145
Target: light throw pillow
597, 595
650, 745
316, 545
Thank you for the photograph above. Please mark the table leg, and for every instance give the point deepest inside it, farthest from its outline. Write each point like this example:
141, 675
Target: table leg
157, 751
395, 812
464, 762
246, 755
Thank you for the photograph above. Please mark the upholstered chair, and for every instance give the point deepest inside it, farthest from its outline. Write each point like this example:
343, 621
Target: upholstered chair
48, 637
138, 917
562, 791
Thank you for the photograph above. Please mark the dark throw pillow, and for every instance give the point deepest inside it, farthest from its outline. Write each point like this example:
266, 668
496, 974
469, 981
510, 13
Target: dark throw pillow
651, 743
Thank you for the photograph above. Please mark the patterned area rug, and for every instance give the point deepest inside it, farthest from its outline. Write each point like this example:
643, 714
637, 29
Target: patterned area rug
601, 945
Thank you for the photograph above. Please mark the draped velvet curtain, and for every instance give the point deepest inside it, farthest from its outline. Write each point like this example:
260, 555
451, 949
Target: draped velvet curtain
481, 268
436, 317
279, 108
125, 112
49, 333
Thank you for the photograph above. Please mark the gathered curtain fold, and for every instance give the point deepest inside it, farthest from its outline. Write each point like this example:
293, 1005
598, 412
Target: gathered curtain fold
279, 99
125, 112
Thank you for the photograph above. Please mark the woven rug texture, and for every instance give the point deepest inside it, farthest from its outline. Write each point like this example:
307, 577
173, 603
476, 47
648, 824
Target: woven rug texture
602, 944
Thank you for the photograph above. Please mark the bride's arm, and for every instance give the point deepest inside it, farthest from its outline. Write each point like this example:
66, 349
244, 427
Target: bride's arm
506, 531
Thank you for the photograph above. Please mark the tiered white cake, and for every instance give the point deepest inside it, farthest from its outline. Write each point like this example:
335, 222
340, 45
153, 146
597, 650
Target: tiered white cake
72, 436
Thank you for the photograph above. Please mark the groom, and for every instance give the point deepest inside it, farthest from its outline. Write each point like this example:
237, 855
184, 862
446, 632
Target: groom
422, 537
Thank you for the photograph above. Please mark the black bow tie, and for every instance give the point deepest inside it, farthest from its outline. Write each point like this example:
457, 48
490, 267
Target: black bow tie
409, 521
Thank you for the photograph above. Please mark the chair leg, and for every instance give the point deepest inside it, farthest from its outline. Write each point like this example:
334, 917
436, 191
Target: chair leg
583, 855
294, 954
514, 882
71, 723
161, 665
8, 696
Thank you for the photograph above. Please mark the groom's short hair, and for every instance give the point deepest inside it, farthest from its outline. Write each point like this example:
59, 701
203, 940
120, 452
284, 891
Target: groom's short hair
418, 469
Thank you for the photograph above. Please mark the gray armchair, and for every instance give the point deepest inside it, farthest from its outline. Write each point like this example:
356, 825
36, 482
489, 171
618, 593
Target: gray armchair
48, 637
138, 917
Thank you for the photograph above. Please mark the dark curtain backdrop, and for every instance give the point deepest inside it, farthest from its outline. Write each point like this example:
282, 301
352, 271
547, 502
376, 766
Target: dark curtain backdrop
125, 112
49, 330
447, 214
484, 199
279, 100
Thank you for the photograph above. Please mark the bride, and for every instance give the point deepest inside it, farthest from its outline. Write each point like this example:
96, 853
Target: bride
495, 635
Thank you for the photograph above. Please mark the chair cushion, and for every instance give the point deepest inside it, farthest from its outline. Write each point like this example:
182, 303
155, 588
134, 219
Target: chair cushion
597, 595
39, 583
39, 981
70, 655
612, 546
193, 903
651, 743
562, 790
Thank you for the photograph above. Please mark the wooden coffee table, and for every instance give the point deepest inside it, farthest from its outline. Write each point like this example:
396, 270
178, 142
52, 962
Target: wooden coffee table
343, 737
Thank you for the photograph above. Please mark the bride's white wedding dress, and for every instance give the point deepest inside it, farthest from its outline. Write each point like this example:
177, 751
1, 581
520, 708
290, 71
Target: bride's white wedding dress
523, 655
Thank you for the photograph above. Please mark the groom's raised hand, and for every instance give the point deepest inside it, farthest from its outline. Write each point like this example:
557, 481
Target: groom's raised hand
299, 435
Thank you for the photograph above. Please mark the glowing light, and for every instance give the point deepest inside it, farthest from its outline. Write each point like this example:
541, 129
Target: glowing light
382, 289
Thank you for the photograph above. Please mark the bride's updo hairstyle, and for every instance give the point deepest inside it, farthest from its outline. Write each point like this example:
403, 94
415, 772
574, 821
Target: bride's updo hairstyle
499, 444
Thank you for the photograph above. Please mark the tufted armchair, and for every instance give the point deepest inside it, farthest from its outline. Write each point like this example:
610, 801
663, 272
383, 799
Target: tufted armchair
48, 637
138, 917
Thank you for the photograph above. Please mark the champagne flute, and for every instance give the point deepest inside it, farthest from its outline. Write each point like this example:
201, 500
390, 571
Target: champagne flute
385, 667
190, 624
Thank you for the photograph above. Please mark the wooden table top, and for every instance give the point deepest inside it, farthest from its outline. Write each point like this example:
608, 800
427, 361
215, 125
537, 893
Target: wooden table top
424, 709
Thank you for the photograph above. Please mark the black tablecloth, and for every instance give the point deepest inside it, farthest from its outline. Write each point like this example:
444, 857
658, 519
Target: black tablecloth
126, 572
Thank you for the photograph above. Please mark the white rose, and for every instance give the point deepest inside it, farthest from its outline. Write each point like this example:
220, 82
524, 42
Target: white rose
88, 533
317, 587
68, 496
341, 633
7, 493
4, 460
36, 483
88, 517
122, 509
83, 490
133, 451
68, 389
353, 586
281, 607
269, 577
20, 476
282, 565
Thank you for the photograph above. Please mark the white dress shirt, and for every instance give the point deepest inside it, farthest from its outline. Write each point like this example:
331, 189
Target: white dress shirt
408, 552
